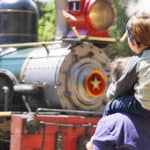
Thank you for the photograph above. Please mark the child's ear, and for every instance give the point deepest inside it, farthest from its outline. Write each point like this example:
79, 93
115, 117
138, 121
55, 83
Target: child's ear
133, 43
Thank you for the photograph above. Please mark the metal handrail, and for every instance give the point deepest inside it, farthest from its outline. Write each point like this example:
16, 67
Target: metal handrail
100, 39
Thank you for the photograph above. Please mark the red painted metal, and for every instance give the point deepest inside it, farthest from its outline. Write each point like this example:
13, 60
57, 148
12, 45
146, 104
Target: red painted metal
80, 19
61, 132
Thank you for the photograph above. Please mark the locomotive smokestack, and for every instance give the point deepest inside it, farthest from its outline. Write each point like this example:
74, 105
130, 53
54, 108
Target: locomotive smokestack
61, 24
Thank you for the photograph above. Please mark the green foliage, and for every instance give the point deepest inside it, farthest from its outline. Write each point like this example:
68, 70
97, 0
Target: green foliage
117, 30
46, 22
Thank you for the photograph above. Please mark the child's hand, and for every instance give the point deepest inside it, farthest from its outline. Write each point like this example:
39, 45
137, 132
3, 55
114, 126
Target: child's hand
89, 145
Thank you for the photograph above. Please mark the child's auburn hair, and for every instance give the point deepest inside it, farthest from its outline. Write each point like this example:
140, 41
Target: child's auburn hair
139, 27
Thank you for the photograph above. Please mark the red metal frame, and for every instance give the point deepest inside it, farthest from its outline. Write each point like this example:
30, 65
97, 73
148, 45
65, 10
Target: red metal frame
67, 131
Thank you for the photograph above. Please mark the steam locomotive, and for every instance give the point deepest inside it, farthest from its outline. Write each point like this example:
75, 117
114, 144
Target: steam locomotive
68, 72
61, 83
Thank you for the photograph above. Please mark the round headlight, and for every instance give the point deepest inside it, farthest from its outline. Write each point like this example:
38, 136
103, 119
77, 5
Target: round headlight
101, 14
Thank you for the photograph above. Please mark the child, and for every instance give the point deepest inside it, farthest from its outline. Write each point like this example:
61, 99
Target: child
116, 71
117, 68
89, 145
136, 72
135, 75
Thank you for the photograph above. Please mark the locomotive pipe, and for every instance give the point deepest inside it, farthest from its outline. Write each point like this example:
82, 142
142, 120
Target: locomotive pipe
5, 114
80, 37
27, 89
6, 92
79, 112
61, 24
29, 44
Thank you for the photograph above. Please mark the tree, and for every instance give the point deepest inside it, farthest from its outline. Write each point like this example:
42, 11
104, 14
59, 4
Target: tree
46, 22
117, 30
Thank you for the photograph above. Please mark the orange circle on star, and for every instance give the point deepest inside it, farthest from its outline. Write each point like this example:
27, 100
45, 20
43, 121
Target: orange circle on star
95, 83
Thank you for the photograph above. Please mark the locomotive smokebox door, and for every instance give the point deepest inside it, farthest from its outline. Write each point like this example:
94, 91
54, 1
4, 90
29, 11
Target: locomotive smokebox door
83, 78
